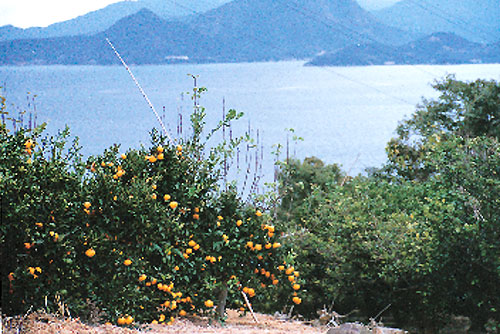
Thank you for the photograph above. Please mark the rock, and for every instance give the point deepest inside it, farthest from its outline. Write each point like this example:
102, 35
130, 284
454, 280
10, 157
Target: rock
349, 328
387, 330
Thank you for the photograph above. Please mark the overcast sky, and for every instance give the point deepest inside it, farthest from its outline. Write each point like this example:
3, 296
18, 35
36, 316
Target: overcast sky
41, 13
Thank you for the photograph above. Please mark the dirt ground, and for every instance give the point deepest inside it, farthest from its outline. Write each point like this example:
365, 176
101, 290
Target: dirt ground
267, 324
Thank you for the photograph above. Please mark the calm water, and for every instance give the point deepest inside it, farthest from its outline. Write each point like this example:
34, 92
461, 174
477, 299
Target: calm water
345, 115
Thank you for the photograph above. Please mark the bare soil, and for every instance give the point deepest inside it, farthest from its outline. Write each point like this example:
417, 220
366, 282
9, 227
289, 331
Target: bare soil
47, 324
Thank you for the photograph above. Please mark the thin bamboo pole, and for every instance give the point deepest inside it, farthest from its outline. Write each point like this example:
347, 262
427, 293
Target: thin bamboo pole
140, 89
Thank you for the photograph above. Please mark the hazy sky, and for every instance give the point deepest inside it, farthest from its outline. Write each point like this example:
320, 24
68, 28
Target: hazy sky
40, 13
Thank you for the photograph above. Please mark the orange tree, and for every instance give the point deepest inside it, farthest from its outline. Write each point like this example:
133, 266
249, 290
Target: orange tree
144, 235
40, 186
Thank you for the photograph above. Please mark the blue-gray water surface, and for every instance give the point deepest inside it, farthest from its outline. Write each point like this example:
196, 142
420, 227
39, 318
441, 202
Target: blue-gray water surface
345, 115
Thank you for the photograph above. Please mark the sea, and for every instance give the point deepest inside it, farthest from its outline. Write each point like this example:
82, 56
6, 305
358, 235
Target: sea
342, 115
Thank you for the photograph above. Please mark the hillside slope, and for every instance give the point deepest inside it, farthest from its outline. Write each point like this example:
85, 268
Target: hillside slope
478, 21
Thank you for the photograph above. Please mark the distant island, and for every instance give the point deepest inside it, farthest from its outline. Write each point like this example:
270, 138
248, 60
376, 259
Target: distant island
435, 49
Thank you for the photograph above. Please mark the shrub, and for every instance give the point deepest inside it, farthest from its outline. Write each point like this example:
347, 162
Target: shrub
420, 234
143, 235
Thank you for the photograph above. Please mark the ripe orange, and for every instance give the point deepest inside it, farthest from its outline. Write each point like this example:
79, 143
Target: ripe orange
196, 209
268, 246
152, 158
87, 205
275, 282
123, 156
289, 270
258, 247
129, 320
196, 216
160, 149
127, 262
189, 251
276, 245
178, 148
209, 303
173, 204
182, 313
121, 321
258, 213
297, 300
153, 196
238, 223
196, 247
281, 267
296, 286
191, 243
166, 197
291, 278
142, 278
161, 156
90, 252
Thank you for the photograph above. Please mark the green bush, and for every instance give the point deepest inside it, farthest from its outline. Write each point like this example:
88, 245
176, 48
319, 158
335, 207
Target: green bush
144, 235
421, 234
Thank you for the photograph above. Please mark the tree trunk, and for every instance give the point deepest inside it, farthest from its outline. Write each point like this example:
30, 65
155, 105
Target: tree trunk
221, 305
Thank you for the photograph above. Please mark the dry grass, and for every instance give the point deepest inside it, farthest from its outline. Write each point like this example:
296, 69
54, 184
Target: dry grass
40, 323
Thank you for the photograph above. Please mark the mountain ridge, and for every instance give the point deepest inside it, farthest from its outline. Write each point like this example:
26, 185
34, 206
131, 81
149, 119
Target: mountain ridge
242, 30
101, 19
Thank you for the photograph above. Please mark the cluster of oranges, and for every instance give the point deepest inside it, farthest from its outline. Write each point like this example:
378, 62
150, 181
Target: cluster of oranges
267, 274
292, 277
162, 319
125, 320
160, 155
34, 270
249, 291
